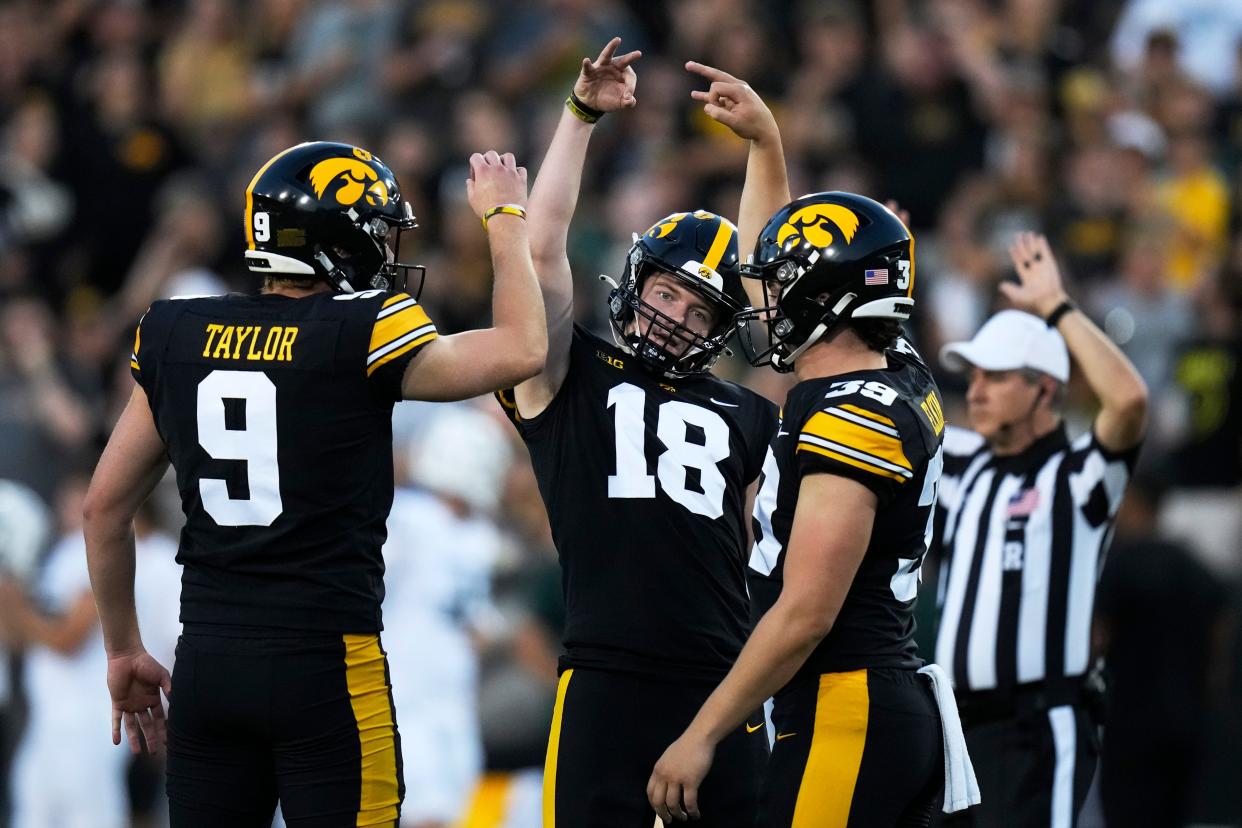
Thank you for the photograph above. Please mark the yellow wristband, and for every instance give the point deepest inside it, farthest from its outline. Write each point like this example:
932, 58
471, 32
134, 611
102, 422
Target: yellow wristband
507, 209
581, 111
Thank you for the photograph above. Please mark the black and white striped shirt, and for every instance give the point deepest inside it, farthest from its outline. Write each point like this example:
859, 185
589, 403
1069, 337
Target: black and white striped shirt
1021, 541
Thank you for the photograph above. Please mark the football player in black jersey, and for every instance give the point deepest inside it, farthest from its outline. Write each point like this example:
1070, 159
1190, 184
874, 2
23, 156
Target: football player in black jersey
275, 412
842, 522
643, 459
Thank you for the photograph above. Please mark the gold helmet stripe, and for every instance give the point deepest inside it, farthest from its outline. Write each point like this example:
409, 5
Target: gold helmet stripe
250, 195
719, 244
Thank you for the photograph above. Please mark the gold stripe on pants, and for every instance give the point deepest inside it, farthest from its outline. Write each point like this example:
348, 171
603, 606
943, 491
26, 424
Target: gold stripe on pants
366, 679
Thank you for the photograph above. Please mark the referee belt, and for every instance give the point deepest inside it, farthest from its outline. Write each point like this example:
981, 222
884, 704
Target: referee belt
1034, 698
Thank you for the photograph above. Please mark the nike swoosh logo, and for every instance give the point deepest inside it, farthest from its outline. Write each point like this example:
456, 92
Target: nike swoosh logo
780, 736
719, 402
750, 729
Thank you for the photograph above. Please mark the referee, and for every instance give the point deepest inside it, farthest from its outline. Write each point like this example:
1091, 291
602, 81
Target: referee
1023, 521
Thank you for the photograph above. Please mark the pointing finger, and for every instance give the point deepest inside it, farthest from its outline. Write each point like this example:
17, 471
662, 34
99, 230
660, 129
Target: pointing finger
626, 59
709, 72
607, 53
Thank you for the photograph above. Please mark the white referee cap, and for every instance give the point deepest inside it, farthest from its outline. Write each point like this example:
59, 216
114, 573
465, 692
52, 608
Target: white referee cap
1008, 341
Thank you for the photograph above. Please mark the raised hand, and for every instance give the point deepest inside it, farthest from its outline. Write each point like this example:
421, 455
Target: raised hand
135, 680
733, 103
899, 211
607, 83
1039, 290
494, 180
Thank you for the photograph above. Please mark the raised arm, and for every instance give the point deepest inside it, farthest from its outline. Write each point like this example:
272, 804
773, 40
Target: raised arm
605, 84
477, 362
1121, 392
733, 103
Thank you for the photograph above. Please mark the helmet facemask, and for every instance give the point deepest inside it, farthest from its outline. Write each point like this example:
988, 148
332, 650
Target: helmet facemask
786, 338
646, 332
372, 263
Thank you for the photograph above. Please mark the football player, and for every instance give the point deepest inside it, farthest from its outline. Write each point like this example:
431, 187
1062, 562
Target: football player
275, 412
643, 459
843, 518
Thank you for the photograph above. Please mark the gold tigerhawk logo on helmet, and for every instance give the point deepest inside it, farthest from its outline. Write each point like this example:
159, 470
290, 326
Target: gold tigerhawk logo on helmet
813, 224
665, 227
353, 173
704, 273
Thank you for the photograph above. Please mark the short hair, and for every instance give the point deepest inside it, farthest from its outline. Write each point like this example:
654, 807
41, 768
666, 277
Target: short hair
1033, 376
877, 334
271, 281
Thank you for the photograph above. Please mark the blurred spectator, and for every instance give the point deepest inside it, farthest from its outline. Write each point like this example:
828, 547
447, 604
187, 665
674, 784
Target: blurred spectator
1204, 509
25, 528
442, 545
45, 419
337, 54
64, 667
918, 126
1197, 34
1141, 300
131, 152
205, 73
1157, 608
34, 207
1196, 197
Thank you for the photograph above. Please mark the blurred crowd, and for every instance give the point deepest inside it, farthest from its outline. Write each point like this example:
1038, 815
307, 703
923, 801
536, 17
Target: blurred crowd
130, 128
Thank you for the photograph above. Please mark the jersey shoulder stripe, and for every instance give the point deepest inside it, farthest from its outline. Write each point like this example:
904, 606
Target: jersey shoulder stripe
857, 440
400, 326
133, 356
870, 415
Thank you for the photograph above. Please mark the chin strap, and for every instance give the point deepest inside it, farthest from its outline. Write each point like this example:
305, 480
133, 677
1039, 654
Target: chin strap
336, 276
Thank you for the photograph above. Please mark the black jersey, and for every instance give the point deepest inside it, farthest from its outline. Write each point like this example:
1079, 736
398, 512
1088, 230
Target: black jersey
277, 416
882, 428
644, 479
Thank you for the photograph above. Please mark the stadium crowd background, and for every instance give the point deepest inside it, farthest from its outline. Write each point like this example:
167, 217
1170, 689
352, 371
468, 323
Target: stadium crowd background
129, 130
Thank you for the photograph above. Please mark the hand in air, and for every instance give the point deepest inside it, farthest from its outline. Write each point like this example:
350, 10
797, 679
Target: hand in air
733, 103
1039, 289
495, 179
607, 83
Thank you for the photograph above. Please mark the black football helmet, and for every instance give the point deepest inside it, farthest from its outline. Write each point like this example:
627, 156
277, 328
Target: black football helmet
325, 210
699, 249
823, 259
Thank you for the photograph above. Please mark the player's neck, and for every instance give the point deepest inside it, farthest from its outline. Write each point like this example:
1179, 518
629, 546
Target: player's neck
295, 292
841, 354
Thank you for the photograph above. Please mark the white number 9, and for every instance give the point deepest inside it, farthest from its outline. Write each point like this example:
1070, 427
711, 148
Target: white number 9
262, 226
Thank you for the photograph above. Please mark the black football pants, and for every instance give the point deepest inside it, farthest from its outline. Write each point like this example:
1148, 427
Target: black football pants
307, 720
608, 731
855, 750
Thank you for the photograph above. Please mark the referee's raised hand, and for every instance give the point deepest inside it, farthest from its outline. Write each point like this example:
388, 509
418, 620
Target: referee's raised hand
1039, 289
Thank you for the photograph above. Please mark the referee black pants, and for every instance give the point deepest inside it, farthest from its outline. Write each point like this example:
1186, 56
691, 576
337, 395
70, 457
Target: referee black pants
1034, 768
307, 720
